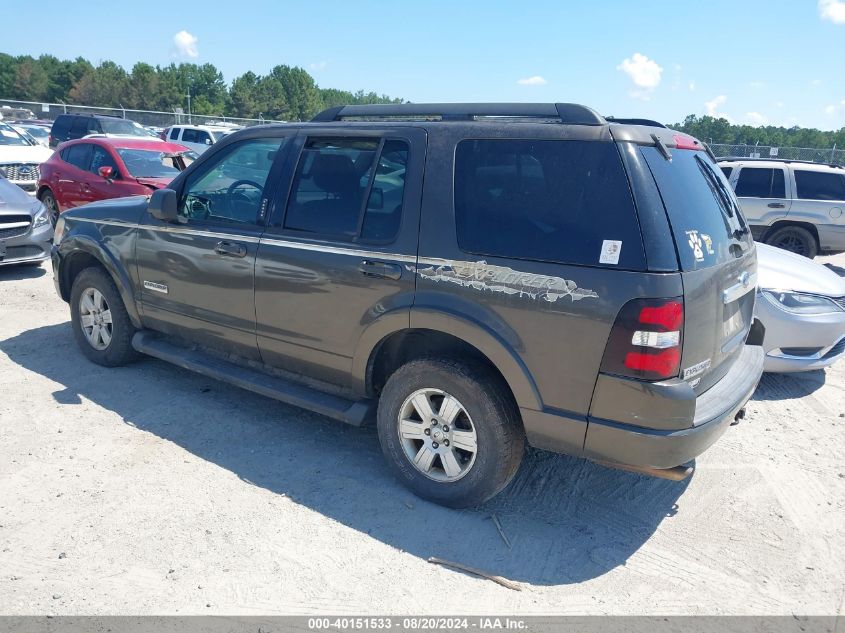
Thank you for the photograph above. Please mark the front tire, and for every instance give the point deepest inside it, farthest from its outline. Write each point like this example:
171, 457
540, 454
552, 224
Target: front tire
101, 324
49, 201
449, 432
795, 239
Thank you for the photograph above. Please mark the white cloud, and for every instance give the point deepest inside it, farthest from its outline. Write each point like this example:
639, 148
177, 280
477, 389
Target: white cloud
832, 10
831, 109
691, 85
644, 72
318, 65
711, 106
756, 119
185, 45
536, 80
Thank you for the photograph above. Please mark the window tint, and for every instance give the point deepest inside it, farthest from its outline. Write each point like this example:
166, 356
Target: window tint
727, 171
229, 189
101, 158
818, 185
60, 127
174, 133
331, 186
79, 155
79, 128
702, 210
757, 182
202, 136
555, 201
189, 136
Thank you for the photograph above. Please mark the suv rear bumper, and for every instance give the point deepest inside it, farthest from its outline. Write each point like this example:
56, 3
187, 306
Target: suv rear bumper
714, 411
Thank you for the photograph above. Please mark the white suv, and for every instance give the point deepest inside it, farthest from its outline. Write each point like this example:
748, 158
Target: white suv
196, 137
799, 206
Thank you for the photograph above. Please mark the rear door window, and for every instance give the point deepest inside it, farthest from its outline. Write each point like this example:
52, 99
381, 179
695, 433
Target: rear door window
702, 209
819, 185
79, 155
349, 189
757, 182
79, 127
558, 201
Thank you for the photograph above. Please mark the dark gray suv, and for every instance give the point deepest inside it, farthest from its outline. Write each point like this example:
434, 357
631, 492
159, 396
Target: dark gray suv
473, 276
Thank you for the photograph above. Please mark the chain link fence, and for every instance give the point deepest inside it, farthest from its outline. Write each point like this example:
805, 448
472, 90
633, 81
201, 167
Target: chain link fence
833, 156
12, 109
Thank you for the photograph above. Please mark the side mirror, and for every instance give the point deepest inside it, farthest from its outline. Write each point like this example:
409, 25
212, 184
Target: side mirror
208, 141
163, 205
106, 172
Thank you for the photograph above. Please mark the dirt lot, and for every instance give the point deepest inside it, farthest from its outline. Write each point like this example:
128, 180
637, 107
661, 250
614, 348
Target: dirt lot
148, 489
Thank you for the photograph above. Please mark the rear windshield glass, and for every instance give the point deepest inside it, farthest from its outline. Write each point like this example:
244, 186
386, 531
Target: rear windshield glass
702, 209
557, 201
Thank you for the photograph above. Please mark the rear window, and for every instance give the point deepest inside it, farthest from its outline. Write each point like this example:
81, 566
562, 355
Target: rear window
702, 209
559, 201
758, 182
819, 185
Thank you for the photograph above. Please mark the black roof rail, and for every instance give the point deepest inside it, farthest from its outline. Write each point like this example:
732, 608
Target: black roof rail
635, 121
571, 113
775, 159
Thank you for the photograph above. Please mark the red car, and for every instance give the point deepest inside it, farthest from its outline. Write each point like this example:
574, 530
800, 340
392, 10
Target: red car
90, 169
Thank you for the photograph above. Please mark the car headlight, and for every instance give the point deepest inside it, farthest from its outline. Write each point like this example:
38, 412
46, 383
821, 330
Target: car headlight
801, 303
41, 217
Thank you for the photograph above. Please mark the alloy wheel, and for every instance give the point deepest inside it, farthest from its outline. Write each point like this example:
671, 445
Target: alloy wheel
95, 318
437, 435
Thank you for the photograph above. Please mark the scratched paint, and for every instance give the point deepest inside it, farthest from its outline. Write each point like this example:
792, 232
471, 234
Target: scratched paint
501, 279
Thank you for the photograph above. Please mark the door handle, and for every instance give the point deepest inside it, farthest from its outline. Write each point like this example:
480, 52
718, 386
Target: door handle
776, 205
386, 270
230, 249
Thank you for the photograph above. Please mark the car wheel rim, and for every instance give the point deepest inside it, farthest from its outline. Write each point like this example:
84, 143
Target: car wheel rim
95, 318
52, 211
792, 242
437, 435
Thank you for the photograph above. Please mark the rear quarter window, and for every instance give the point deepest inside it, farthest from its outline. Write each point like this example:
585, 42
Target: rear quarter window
701, 207
819, 185
555, 201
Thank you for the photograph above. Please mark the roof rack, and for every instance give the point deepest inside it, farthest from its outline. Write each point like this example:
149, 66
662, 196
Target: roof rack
775, 159
635, 121
571, 113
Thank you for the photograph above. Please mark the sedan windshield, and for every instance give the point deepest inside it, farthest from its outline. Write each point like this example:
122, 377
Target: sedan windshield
8, 136
146, 163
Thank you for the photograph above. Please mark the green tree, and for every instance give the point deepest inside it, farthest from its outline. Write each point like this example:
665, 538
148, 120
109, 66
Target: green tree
299, 90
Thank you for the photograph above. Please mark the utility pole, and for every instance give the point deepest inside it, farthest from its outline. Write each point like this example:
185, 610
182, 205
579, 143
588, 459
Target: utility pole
189, 106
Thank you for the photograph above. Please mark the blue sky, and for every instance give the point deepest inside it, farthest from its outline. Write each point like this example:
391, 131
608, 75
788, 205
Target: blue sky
753, 61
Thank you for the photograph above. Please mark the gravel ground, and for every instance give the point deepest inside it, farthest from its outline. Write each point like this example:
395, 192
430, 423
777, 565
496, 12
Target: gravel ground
148, 489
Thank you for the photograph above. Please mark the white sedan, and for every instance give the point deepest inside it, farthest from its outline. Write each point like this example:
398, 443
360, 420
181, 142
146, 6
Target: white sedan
802, 306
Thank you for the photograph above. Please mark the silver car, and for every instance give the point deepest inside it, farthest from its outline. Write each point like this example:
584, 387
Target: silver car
25, 230
802, 306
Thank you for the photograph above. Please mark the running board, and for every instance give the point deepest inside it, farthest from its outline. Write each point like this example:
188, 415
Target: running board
351, 412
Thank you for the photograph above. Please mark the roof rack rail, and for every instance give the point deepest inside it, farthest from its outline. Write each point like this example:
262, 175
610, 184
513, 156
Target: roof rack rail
571, 113
635, 121
775, 159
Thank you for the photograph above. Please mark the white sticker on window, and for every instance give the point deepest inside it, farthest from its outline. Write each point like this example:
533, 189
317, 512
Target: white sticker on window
610, 250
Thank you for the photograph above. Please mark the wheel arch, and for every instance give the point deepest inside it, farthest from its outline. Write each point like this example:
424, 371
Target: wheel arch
782, 224
81, 252
430, 332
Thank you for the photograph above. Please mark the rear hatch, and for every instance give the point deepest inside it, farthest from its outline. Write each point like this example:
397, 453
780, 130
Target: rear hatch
717, 259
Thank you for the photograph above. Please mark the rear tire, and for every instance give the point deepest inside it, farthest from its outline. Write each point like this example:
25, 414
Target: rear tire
100, 322
49, 201
795, 239
466, 444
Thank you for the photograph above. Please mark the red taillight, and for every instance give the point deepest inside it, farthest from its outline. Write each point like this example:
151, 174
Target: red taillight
664, 363
669, 316
682, 141
646, 339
